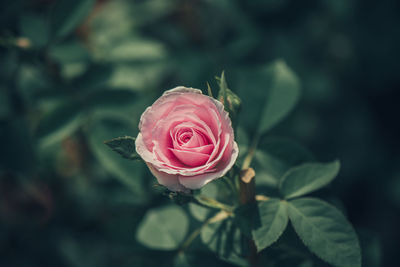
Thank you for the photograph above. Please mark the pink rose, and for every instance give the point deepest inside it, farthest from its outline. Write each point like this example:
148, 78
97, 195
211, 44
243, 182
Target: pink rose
186, 139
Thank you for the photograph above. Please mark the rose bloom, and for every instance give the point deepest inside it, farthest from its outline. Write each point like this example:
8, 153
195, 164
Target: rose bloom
186, 139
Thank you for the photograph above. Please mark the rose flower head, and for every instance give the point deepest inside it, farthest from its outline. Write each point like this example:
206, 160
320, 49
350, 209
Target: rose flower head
186, 139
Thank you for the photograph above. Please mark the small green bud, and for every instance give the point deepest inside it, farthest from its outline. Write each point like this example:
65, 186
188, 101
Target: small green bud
229, 99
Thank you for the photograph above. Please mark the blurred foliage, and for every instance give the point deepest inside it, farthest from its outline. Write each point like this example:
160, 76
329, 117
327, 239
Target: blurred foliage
76, 73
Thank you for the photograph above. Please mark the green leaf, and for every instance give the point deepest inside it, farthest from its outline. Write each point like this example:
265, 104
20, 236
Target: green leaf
163, 228
275, 156
125, 146
69, 52
283, 94
95, 77
59, 123
110, 98
224, 238
325, 231
273, 219
264, 221
135, 50
198, 212
130, 173
68, 14
35, 28
307, 178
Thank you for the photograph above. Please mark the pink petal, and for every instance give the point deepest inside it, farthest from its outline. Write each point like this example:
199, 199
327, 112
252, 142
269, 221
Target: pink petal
160, 109
191, 158
168, 180
198, 181
201, 149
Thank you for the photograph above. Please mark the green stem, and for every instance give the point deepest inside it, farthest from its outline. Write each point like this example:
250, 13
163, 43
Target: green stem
220, 216
212, 203
250, 154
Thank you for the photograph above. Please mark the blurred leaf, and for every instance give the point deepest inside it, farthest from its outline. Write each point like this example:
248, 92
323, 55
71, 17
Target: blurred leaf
325, 231
275, 156
95, 77
114, 99
224, 239
307, 178
163, 228
198, 212
31, 79
128, 172
151, 10
371, 248
137, 76
125, 146
35, 28
68, 14
16, 143
283, 94
59, 123
78, 253
72, 70
5, 103
69, 52
218, 190
111, 23
198, 258
135, 50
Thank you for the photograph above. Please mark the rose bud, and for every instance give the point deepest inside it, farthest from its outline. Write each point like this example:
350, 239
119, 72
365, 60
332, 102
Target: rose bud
186, 139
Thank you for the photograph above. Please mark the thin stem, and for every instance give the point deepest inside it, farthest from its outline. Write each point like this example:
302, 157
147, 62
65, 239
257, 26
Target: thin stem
212, 203
220, 216
191, 238
250, 154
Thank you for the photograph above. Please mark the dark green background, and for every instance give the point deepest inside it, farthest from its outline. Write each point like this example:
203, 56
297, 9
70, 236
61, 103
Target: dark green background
66, 200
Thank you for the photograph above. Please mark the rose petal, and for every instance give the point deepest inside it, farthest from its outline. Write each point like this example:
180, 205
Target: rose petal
190, 158
199, 115
201, 149
167, 180
162, 134
160, 109
208, 114
198, 181
208, 165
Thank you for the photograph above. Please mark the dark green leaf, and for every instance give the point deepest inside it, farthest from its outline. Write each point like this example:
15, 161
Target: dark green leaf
273, 219
263, 221
129, 173
59, 123
275, 156
307, 178
110, 98
283, 94
67, 14
163, 228
325, 231
35, 28
69, 52
125, 146
95, 77
136, 50
199, 212
224, 239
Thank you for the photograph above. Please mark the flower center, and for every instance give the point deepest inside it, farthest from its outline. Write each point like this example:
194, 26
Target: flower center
185, 137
